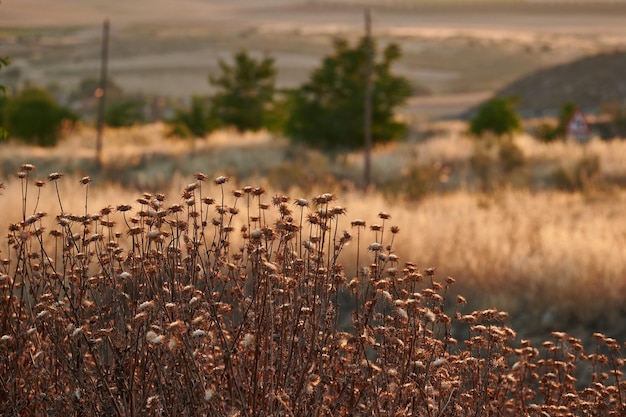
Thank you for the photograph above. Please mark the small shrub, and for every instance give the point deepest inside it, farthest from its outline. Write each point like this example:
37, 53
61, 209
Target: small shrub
244, 92
585, 174
547, 133
194, 122
497, 116
415, 183
511, 157
125, 113
302, 168
35, 117
482, 162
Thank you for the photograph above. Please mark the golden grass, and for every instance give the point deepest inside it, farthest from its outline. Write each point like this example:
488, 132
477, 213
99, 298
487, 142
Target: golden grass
508, 249
556, 248
130, 143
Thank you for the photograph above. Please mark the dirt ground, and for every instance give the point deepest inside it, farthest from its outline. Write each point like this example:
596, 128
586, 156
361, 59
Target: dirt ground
459, 53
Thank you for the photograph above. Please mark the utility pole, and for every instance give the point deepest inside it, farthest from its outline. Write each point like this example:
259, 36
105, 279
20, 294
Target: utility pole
101, 91
367, 128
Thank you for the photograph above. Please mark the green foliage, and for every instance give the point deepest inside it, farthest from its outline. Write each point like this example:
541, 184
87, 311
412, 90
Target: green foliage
125, 113
565, 114
244, 92
327, 112
547, 133
497, 116
35, 117
192, 122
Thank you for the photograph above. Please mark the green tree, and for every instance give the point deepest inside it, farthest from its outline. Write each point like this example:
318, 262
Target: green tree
566, 112
497, 116
35, 117
327, 112
125, 113
244, 92
194, 122
547, 132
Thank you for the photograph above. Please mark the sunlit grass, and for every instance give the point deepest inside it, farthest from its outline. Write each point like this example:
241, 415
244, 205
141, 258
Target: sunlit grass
236, 301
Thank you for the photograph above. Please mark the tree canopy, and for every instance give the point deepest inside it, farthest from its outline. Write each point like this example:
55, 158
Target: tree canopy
497, 116
244, 92
35, 117
194, 122
327, 111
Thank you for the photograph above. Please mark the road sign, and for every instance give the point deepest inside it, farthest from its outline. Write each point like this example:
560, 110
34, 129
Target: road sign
577, 126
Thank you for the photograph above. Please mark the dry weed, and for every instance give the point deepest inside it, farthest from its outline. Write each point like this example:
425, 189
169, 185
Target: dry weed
151, 308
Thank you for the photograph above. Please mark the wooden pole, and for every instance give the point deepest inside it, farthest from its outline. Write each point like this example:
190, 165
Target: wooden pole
101, 91
367, 128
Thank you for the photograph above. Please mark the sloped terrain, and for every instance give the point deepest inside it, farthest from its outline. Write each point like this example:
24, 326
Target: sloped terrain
590, 82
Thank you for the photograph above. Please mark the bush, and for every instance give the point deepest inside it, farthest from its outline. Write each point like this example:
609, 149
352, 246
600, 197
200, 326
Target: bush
483, 164
35, 117
327, 112
496, 163
585, 174
497, 116
511, 157
193, 122
245, 92
125, 113
415, 183
547, 133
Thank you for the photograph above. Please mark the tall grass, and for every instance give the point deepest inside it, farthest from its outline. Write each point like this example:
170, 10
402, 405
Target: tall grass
157, 308
528, 253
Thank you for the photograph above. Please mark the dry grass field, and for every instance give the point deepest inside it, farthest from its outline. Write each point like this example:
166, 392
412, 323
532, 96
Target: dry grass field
529, 251
234, 301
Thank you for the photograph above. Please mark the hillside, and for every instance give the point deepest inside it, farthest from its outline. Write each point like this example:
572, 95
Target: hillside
590, 82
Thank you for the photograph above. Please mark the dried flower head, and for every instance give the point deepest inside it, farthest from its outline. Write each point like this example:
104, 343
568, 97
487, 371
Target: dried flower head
54, 176
220, 180
302, 202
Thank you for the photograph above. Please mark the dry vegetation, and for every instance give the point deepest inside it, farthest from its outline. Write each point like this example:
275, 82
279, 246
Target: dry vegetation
230, 301
528, 252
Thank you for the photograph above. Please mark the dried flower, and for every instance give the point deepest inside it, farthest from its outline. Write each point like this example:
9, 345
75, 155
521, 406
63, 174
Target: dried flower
154, 338
220, 180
